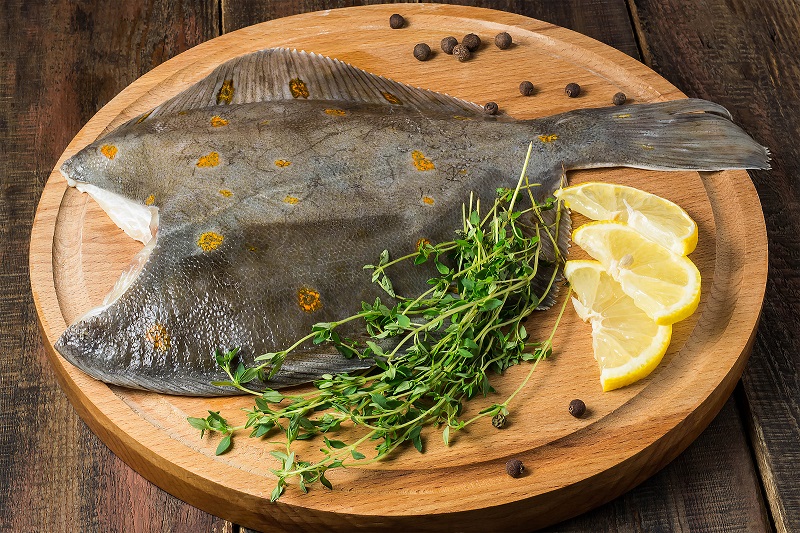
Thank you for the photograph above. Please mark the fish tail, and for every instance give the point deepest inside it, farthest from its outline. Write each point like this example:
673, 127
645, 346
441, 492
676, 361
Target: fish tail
688, 134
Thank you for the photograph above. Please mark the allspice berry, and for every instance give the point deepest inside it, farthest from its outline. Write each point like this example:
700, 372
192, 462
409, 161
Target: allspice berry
498, 420
422, 51
577, 408
572, 90
619, 99
448, 43
471, 41
491, 108
397, 21
461, 52
514, 467
526, 88
502, 40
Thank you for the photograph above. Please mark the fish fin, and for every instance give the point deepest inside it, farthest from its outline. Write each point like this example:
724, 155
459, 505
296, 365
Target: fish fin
279, 74
688, 134
309, 364
303, 367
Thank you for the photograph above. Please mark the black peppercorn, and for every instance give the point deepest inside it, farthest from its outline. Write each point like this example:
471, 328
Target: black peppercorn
498, 420
471, 41
502, 40
397, 21
448, 43
422, 51
491, 109
514, 467
619, 99
572, 90
577, 408
526, 88
461, 52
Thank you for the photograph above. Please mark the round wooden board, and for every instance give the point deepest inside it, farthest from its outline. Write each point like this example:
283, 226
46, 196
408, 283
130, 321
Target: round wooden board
572, 464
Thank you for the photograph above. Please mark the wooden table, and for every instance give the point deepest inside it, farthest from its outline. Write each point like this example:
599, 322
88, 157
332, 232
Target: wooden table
61, 61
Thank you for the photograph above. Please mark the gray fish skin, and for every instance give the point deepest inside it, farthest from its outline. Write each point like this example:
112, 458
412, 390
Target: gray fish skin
268, 209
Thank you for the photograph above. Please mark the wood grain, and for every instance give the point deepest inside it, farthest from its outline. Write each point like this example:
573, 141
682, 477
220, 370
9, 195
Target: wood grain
61, 61
728, 316
744, 56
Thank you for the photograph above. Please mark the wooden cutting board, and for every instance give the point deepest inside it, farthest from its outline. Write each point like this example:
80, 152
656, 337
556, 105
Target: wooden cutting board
571, 464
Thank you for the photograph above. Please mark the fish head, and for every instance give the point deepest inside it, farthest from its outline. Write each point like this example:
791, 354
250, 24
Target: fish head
114, 163
116, 172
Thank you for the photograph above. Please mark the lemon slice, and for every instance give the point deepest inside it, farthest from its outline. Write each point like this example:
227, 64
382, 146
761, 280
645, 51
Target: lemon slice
663, 284
627, 344
652, 216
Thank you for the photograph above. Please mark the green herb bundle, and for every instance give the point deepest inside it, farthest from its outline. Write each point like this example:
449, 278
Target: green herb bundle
432, 352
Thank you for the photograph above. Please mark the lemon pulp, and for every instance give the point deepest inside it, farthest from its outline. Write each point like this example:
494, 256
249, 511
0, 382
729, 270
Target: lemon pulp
628, 345
654, 217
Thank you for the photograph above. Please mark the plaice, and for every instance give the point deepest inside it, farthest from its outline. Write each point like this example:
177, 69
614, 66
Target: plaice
261, 191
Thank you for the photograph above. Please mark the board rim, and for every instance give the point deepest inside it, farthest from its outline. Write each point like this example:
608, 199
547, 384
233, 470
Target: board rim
108, 424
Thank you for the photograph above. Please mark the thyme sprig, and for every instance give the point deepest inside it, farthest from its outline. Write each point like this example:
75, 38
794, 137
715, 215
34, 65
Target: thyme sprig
432, 353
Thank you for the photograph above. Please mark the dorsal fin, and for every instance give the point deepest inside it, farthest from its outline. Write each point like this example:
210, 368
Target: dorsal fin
279, 74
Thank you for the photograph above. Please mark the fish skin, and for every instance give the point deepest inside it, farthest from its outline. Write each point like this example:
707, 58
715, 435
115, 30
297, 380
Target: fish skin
268, 209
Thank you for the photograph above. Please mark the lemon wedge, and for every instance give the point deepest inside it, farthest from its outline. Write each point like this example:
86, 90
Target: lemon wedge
665, 285
627, 344
654, 217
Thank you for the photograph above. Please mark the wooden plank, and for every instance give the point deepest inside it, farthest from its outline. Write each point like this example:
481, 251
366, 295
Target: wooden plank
606, 21
61, 61
743, 54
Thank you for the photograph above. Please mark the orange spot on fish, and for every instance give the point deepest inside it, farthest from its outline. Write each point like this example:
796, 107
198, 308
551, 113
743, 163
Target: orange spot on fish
421, 162
308, 299
392, 99
251, 248
210, 160
298, 88
548, 138
336, 112
282, 163
217, 121
422, 242
225, 94
427, 200
648, 147
291, 200
210, 241
226, 193
109, 150
150, 200
158, 337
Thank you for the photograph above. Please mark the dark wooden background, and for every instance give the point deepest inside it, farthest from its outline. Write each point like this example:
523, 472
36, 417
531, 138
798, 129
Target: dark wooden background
61, 61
